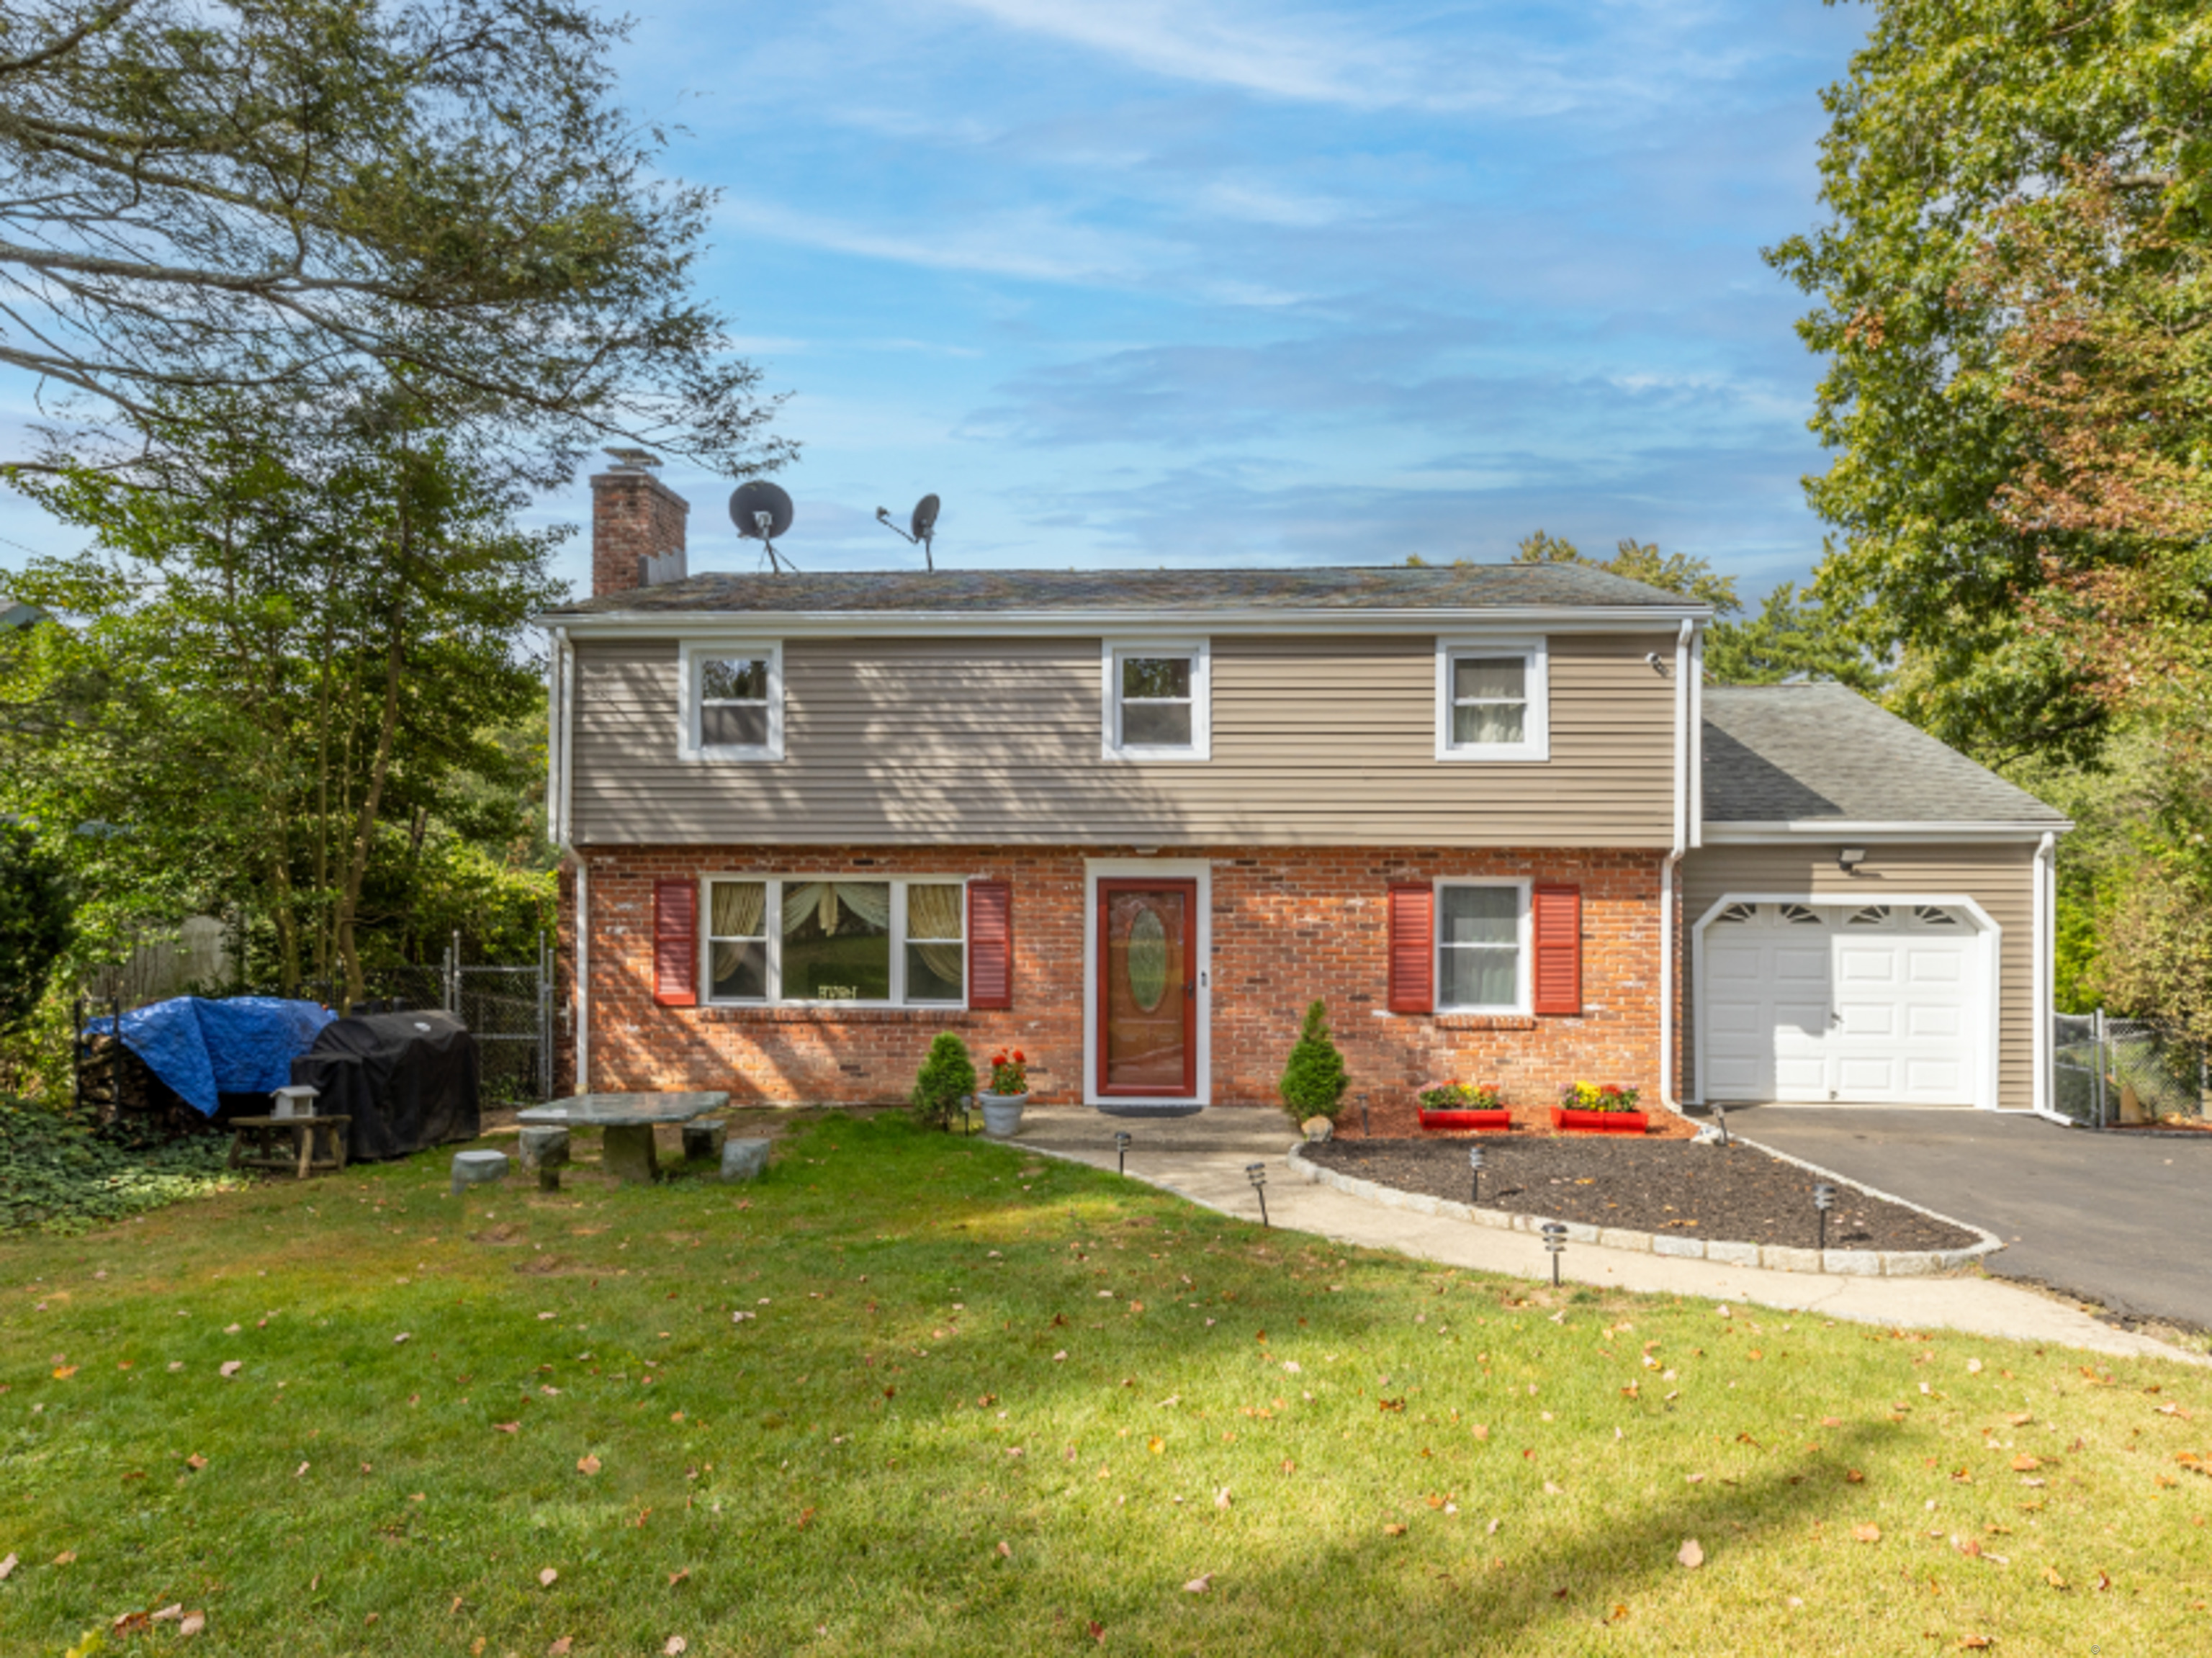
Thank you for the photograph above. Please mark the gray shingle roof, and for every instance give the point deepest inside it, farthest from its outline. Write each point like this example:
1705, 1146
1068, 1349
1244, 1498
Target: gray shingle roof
1787, 753
1353, 587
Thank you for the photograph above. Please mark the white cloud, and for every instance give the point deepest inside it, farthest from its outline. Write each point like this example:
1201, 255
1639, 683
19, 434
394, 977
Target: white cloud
1029, 243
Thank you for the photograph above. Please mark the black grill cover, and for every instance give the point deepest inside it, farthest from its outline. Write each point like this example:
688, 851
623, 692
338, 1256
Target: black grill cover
408, 1080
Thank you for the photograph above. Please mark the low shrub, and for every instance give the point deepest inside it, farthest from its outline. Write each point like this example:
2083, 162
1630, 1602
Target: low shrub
1314, 1079
947, 1077
57, 1175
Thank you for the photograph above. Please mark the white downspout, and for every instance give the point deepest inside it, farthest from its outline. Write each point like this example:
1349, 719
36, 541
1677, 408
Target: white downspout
556, 696
583, 977
2044, 979
1684, 752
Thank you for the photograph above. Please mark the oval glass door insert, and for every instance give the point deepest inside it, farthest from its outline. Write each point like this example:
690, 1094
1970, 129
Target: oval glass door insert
1148, 960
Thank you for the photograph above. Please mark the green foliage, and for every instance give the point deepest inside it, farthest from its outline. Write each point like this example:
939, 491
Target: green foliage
1954, 113
34, 923
322, 195
1790, 638
1314, 1079
947, 1077
1635, 560
57, 1175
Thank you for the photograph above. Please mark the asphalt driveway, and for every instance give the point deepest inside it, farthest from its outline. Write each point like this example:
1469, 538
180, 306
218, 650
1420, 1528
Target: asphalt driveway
2119, 1218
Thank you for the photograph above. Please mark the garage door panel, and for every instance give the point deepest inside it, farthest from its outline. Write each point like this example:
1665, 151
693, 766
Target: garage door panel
1881, 1013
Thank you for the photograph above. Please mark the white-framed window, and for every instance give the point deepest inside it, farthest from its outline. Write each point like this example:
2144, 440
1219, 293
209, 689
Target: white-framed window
1157, 698
775, 940
1482, 947
732, 700
1494, 700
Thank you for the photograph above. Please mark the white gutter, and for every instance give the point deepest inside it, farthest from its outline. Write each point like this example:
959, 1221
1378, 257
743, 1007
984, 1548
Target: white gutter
567, 733
555, 669
670, 623
583, 977
1889, 831
2044, 941
1684, 789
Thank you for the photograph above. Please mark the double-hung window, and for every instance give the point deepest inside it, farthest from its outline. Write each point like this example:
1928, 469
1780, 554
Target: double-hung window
1158, 700
733, 701
1482, 947
1492, 699
792, 939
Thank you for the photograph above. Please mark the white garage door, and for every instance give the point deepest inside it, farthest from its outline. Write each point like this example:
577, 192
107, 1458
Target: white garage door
1875, 1003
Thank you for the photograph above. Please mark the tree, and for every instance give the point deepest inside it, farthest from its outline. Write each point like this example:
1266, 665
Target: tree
1314, 1077
1954, 114
34, 923
320, 196
1789, 638
295, 635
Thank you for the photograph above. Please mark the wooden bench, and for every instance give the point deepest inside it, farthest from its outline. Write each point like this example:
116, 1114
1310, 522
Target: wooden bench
299, 1155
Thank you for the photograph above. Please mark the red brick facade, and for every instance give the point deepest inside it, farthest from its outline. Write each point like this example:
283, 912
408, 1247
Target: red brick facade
1288, 925
633, 515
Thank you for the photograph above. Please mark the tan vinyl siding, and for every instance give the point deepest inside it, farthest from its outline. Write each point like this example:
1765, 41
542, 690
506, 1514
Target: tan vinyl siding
1999, 877
1315, 741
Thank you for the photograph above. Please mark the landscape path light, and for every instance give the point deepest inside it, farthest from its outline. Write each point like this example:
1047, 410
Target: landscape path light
1257, 1173
1121, 1151
1555, 1242
1824, 1199
1474, 1163
1720, 1116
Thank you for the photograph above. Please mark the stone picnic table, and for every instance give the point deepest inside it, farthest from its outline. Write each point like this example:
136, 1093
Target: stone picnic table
626, 1123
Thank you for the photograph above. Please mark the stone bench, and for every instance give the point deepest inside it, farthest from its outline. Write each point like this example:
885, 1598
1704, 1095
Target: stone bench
744, 1159
703, 1140
477, 1169
546, 1151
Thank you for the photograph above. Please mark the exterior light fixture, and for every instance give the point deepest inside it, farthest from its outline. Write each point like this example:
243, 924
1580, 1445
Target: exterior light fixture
1720, 1117
1257, 1173
1121, 1151
1474, 1164
1850, 859
1555, 1245
1824, 1199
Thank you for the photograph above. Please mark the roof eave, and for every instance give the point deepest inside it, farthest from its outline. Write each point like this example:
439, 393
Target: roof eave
1880, 831
1597, 619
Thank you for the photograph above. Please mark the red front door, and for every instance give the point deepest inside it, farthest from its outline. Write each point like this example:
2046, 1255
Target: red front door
1148, 988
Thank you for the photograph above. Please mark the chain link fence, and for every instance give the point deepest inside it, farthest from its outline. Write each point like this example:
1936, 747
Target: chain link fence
508, 1007
2118, 1073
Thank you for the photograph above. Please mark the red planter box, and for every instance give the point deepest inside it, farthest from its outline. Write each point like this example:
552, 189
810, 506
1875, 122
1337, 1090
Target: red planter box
1500, 1119
1597, 1122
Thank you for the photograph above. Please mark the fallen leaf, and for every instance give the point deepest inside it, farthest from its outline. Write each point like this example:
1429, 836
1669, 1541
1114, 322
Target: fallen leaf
1221, 1498
1004, 1552
297, 1471
1156, 1444
169, 1614
676, 1646
1394, 1530
1869, 1534
1690, 1555
2050, 1577
676, 1577
63, 1372
546, 1578
2103, 1582
507, 1427
560, 1648
229, 1368
1199, 1584
67, 1557
193, 1622
1096, 1630
196, 1462
402, 1336
588, 1465
2025, 1464
1972, 1643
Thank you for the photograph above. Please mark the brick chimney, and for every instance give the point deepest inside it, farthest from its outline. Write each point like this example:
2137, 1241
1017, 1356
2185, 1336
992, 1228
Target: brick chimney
635, 517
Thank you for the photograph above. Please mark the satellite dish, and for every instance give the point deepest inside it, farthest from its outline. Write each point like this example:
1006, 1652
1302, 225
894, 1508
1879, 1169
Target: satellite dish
762, 511
923, 523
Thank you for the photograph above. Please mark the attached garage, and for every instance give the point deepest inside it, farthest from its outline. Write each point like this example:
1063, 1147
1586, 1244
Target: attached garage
1868, 917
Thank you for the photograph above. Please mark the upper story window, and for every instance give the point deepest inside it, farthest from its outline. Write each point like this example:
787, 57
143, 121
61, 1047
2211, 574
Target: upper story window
1482, 947
792, 939
1158, 705
1492, 699
733, 701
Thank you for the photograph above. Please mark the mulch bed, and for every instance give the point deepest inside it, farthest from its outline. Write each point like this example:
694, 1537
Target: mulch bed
1394, 1117
1734, 1193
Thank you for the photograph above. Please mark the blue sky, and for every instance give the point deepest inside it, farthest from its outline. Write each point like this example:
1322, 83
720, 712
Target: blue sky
1242, 281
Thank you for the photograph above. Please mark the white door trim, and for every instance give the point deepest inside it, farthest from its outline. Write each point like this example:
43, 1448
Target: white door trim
1163, 869
1985, 929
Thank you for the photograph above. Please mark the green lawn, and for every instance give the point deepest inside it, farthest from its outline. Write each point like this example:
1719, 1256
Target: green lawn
980, 1403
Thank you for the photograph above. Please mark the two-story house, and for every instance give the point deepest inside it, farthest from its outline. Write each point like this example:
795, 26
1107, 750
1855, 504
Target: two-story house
1133, 820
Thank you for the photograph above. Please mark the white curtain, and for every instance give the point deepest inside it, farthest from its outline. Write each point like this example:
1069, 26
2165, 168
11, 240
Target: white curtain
869, 900
934, 912
736, 911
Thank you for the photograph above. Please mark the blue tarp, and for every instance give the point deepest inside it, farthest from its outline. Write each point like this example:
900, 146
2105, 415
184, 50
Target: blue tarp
204, 1048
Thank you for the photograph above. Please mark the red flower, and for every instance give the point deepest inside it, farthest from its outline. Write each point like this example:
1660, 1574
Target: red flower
1019, 1059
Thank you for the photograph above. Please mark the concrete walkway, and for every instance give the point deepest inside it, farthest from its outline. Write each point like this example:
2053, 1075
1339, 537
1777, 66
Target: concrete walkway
1205, 1159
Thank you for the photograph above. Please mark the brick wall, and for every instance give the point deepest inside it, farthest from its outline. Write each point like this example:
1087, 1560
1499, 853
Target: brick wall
1288, 926
633, 515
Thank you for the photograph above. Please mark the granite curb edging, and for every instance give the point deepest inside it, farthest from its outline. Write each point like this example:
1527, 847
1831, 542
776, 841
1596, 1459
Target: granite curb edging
1775, 1258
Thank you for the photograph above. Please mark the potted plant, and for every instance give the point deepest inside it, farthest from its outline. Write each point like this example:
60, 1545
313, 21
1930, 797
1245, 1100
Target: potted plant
1003, 1097
1447, 1105
1598, 1108
944, 1082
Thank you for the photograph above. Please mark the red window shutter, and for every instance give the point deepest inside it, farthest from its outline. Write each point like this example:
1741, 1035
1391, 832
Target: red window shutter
990, 945
1412, 949
1559, 931
676, 943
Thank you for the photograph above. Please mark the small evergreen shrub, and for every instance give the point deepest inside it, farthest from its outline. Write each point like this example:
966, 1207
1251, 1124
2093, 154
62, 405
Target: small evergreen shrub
947, 1077
1313, 1079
